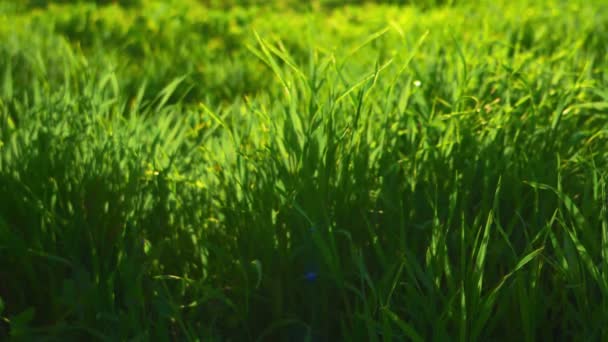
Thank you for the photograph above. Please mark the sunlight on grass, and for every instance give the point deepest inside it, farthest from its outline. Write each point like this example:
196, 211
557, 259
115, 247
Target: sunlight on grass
376, 171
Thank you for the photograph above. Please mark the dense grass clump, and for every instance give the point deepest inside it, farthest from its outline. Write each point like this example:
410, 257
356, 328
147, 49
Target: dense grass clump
375, 171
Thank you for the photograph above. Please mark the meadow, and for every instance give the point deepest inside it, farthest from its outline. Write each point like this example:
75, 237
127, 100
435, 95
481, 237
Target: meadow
189, 170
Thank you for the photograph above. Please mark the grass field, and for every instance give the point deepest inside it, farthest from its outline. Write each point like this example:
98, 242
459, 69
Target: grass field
304, 171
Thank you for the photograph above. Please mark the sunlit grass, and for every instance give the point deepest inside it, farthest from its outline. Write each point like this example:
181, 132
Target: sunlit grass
171, 171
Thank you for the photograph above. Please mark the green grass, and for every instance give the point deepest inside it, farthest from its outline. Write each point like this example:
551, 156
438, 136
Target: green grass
177, 170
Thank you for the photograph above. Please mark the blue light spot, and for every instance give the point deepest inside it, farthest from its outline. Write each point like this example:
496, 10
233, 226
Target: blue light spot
310, 276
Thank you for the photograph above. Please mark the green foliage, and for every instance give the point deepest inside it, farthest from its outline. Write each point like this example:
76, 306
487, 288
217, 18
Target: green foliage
374, 171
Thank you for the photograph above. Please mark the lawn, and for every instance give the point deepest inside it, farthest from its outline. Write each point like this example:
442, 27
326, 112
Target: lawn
189, 170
